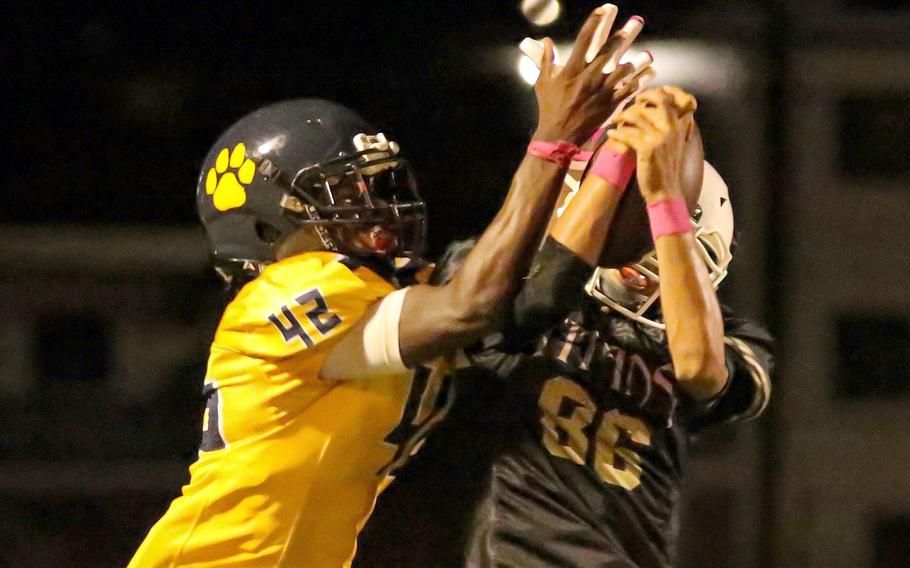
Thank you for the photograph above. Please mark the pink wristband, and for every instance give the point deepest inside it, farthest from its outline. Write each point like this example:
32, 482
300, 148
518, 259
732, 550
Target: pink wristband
597, 134
669, 217
560, 152
614, 168
582, 156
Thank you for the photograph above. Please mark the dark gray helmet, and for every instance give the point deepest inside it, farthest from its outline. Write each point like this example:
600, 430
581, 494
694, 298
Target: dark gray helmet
307, 162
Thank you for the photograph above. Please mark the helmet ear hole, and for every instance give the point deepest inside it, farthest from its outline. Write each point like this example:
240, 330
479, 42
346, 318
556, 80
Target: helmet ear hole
267, 233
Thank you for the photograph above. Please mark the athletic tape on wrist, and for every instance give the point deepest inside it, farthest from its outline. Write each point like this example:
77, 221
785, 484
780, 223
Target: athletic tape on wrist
669, 217
614, 168
561, 153
597, 134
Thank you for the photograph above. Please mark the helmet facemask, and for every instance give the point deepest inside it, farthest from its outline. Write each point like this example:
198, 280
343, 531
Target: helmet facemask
361, 204
712, 226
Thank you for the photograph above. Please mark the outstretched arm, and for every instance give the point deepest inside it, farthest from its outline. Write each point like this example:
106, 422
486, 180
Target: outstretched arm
655, 128
578, 230
572, 103
555, 284
578, 227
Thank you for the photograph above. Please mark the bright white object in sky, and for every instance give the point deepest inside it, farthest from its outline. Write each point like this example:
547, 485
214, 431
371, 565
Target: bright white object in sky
541, 12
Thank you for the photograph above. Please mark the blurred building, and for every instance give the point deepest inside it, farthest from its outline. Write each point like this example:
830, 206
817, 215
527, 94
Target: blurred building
841, 460
102, 351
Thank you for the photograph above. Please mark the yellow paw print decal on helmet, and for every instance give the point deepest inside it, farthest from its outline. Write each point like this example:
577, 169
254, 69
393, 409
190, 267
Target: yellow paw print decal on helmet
229, 187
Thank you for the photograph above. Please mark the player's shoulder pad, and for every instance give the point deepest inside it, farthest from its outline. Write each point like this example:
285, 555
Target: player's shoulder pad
299, 303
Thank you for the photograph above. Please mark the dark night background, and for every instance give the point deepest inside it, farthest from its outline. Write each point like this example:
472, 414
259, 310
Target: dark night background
109, 308
115, 108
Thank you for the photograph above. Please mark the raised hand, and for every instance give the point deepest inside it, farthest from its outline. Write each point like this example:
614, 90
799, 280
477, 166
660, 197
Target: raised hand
656, 127
574, 100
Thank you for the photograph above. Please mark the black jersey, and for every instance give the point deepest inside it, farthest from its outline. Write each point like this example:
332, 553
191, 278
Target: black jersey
573, 458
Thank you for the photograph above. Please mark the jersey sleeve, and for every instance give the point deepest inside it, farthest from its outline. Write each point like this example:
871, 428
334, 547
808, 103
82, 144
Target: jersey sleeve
298, 308
748, 352
490, 356
553, 287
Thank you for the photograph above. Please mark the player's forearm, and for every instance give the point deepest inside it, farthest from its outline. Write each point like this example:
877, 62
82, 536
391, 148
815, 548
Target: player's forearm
553, 287
561, 268
584, 225
492, 271
477, 299
572, 181
572, 100
694, 323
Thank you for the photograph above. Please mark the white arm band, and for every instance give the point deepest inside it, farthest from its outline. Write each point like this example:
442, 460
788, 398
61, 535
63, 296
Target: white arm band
370, 348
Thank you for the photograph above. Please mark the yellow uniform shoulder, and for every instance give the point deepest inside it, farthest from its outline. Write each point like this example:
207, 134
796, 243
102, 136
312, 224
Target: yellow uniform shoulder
297, 304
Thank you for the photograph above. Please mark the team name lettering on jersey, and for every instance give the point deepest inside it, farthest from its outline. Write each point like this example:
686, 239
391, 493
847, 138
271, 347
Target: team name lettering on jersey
628, 376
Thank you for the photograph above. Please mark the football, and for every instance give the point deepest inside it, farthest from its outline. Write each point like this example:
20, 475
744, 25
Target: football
630, 233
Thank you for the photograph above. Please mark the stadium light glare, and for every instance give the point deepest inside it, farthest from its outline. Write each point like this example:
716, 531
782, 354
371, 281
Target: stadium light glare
702, 67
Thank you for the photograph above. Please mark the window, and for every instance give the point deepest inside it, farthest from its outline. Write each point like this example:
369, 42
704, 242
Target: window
873, 357
875, 136
72, 348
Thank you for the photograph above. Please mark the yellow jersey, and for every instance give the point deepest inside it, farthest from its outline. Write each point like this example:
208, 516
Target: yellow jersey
290, 464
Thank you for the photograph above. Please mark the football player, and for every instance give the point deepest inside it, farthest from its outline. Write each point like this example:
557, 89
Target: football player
328, 367
576, 459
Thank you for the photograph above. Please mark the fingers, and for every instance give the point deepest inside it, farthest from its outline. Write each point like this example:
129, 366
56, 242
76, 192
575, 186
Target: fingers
608, 49
642, 62
535, 50
637, 139
576, 60
625, 71
681, 99
631, 87
607, 61
639, 79
626, 35
645, 79
532, 49
650, 118
661, 120
654, 119
682, 102
547, 58
655, 97
610, 81
602, 33
627, 89
661, 116
634, 111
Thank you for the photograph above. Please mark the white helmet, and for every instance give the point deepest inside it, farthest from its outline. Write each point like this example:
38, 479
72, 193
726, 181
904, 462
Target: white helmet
712, 223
